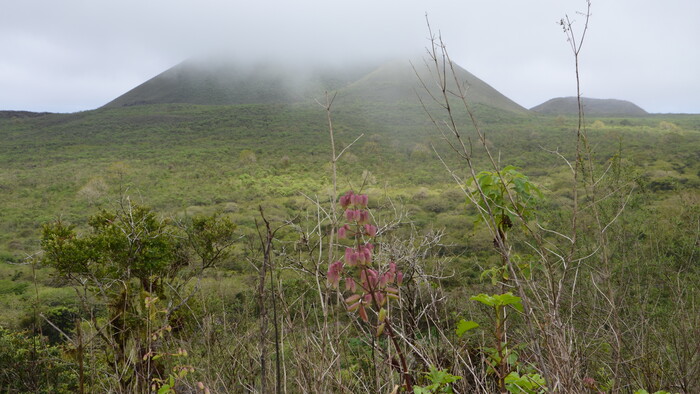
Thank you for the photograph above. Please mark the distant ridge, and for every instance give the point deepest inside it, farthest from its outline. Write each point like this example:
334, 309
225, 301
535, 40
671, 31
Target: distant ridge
591, 106
229, 82
21, 114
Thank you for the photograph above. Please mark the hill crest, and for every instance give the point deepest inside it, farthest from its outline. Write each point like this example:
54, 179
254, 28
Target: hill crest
228, 82
591, 106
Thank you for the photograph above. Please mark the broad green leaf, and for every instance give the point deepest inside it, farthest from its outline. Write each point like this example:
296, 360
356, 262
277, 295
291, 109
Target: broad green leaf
512, 358
500, 300
509, 299
484, 299
164, 389
464, 326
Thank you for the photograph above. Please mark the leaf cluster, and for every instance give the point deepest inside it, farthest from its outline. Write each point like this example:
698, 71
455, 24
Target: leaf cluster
132, 242
508, 191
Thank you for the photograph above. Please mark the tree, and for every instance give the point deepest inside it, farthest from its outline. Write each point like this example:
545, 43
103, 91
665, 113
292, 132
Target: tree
129, 258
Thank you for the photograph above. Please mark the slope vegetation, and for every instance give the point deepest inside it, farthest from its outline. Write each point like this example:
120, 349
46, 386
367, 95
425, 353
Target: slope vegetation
592, 107
400, 81
230, 82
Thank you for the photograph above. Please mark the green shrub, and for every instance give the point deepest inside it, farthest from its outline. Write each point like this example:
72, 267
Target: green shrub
29, 365
11, 287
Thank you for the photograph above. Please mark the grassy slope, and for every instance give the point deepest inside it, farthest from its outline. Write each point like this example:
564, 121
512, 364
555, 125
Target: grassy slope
189, 158
398, 81
177, 156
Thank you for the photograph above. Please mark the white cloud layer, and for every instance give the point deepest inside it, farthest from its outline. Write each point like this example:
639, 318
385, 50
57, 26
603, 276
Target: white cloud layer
74, 55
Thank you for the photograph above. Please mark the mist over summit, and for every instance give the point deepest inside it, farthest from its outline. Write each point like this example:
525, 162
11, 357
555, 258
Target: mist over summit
232, 81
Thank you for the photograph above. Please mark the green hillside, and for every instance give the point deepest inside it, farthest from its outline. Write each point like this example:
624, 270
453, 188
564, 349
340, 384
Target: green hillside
225, 81
107, 234
229, 82
180, 156
400, 81
592, 107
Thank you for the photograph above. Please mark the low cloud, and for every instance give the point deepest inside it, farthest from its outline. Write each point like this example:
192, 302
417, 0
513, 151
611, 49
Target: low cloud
75, 55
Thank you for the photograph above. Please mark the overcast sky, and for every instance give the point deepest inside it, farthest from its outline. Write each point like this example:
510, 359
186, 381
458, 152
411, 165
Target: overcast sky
74, 55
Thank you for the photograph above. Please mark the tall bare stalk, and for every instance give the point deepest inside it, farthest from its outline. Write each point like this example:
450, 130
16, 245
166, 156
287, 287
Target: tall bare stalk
549, 297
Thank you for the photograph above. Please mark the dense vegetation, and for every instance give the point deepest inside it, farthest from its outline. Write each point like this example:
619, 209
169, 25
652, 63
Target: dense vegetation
554, 263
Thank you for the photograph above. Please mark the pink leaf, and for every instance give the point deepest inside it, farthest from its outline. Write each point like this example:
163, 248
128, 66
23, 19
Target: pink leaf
350, 284
352, 299
363, 313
